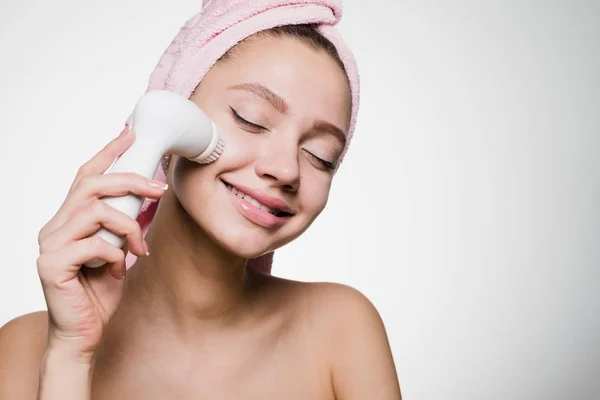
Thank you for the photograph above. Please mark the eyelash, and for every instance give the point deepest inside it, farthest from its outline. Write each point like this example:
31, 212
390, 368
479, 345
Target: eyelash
327, 164
245, 122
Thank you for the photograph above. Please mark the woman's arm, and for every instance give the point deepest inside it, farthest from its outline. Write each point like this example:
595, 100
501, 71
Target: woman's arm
64, 377
30, 370
363, 365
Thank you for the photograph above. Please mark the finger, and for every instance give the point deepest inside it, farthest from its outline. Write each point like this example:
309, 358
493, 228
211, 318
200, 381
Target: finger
112, 185
90, 219
109, 185
103, 159
97, 165
116, 270
60, 266
117, 184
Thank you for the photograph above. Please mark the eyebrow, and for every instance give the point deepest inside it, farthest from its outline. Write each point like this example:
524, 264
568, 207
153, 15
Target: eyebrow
282, 106
263, 92
324, 126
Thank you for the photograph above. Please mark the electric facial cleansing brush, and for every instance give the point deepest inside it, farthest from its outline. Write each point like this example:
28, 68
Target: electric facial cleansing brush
164, 122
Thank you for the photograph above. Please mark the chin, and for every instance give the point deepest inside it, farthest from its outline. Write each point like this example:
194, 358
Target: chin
244, 238
237, 229
245, 241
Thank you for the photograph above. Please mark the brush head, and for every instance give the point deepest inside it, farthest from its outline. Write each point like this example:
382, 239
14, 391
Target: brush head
215, 154
214, 149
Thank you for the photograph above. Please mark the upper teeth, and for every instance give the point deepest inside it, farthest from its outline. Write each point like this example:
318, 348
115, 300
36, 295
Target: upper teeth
250, 200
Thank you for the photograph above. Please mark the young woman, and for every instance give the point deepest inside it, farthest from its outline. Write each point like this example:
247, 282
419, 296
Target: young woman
191, 320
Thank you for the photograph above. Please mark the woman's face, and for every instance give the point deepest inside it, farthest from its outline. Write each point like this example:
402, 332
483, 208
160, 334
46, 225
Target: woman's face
283, 109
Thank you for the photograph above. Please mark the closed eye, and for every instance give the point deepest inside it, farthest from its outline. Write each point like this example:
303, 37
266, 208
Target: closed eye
329, 165
245, 122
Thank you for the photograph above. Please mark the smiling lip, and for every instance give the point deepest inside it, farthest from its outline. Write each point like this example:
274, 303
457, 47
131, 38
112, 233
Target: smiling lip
254, 214
271, 202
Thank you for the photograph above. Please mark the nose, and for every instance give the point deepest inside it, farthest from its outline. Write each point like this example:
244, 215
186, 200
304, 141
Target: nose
279, 163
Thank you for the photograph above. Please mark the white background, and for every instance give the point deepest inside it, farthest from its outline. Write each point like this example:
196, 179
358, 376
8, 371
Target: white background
466, 210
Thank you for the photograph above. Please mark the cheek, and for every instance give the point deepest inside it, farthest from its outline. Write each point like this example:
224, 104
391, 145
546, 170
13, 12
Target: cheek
240, 147
314, 197
185, 178
189, 178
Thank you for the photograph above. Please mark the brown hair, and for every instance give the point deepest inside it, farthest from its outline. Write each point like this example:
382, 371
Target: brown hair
307, 33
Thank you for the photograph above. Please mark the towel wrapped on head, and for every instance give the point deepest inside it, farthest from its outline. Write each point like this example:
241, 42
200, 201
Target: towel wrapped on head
211, 33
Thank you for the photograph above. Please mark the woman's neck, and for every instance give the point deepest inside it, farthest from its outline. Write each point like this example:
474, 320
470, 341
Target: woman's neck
187, 282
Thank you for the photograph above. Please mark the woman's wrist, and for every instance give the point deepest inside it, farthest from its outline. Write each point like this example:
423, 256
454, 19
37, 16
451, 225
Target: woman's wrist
64, 376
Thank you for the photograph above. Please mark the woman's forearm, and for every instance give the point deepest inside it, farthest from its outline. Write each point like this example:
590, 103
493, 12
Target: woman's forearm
64, 378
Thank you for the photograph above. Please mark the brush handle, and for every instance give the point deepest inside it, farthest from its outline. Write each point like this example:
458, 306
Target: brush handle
164, 121
141, 158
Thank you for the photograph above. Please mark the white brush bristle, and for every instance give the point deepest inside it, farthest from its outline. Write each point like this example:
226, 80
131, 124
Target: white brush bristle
216, 153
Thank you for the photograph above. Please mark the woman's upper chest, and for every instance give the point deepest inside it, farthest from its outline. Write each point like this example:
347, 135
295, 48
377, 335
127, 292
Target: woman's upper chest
261, 364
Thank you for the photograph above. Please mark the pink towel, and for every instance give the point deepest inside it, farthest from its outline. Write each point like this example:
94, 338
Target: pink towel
215, 29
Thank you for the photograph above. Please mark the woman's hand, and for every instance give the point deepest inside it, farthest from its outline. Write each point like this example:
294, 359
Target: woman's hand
81, 301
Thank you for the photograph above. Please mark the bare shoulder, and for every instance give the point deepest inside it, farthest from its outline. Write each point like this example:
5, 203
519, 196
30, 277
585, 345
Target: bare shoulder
338, 309
327, 304
362, 364
333, 303
22, 347
339, 299
27, 332
347, 329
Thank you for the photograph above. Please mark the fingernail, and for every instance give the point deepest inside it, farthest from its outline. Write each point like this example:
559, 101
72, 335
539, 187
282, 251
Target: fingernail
158, 184
124, 271
146, 248
124, 132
